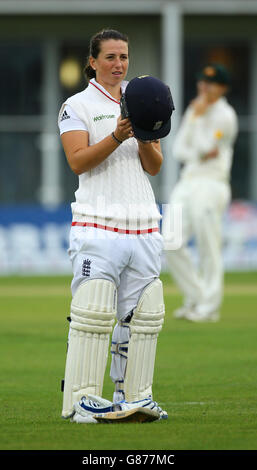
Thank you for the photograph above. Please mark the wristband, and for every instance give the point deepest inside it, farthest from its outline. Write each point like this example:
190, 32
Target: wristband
115, 138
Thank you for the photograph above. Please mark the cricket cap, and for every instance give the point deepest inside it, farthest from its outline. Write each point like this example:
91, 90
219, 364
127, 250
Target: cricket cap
150, 106
216, 73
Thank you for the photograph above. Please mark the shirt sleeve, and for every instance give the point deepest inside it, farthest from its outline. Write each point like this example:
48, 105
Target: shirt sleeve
69, 121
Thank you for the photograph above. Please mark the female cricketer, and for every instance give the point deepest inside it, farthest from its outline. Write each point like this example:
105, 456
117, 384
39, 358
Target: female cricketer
115, 244
204, 146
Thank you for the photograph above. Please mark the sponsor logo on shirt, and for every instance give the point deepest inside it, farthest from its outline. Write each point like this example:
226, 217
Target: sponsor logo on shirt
103, 116
65, 116
218, 134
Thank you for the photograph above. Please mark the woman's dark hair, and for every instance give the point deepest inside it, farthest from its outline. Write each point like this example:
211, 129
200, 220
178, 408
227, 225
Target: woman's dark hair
95, 47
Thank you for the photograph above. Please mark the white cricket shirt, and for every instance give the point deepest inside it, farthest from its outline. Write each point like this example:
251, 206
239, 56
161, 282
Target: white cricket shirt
217, 128
117, 194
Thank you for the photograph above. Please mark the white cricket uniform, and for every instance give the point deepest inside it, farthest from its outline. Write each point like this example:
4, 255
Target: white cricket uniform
115, 219
203, 192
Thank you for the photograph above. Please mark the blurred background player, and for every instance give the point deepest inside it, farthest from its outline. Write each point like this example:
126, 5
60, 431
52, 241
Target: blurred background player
204, 145
115, 244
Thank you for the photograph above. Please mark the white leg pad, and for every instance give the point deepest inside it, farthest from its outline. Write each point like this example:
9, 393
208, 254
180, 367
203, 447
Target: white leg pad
93, 309
144, 328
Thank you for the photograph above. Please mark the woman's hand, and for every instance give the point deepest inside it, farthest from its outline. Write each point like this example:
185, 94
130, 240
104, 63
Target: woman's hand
150, 154
200, 104
124, 129
210, 155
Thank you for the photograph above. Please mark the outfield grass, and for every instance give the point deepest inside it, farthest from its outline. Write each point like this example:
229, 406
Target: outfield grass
205, 375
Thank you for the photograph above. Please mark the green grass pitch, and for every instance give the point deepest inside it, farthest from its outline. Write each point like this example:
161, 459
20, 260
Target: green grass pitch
205, 374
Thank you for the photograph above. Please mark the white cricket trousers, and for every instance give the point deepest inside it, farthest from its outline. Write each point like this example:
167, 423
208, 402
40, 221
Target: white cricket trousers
203, 202
130, 261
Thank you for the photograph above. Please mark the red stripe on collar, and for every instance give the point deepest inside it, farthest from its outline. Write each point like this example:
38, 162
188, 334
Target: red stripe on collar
107, 96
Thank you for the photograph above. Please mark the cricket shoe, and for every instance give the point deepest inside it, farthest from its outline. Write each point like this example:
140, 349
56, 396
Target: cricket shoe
181, 312
198, 317
146, 403
91, 406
